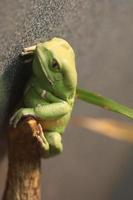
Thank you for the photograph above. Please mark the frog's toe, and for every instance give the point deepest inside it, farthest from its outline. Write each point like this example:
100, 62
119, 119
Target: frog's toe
16, 118
13, 117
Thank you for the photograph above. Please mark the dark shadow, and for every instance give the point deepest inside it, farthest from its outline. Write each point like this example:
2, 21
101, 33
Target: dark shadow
12, 84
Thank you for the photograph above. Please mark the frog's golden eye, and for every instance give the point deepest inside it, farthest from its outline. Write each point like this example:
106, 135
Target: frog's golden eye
55, 65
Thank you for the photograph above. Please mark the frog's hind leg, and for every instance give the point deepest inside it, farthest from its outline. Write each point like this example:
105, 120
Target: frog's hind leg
55, 143
50, 143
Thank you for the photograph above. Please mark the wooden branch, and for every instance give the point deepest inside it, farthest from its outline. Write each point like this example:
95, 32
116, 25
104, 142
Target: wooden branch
23, 179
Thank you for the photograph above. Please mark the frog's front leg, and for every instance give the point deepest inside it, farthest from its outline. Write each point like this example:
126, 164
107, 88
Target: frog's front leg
28, 50
50, 142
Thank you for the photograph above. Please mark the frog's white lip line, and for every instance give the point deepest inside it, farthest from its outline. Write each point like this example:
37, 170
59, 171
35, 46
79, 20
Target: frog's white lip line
45, 72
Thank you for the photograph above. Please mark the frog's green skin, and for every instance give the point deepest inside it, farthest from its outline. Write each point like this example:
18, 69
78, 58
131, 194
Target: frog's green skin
50, 93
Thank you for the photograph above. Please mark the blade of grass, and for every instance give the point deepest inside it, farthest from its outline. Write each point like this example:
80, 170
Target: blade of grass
104, 102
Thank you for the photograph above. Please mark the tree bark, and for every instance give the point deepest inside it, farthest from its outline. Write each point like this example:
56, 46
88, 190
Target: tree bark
23, 179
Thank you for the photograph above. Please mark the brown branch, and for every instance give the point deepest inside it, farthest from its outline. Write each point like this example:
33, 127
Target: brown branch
23, 179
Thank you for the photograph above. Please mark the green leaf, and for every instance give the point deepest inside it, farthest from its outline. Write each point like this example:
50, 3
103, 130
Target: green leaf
104, 102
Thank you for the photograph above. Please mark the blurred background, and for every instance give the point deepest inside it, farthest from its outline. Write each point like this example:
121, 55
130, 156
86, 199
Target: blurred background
101, 32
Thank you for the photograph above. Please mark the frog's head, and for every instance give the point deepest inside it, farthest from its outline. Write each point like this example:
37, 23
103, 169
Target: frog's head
54, 65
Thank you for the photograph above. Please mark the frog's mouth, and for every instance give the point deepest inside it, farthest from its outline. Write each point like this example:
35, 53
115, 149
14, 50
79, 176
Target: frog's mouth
44, 69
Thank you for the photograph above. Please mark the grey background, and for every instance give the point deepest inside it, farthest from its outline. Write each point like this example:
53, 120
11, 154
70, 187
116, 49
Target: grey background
101, 32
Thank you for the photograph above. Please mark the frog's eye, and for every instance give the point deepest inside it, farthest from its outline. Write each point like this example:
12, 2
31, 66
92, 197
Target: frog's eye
55, 65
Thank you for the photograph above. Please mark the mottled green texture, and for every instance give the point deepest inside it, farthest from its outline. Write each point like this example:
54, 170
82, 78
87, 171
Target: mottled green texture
50, 93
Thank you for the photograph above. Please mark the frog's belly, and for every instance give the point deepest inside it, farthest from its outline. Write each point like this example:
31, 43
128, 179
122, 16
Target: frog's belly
57, 125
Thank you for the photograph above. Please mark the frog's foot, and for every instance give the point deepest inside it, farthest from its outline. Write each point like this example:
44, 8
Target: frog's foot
55, 144
28, 50
22, 112
43, 143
